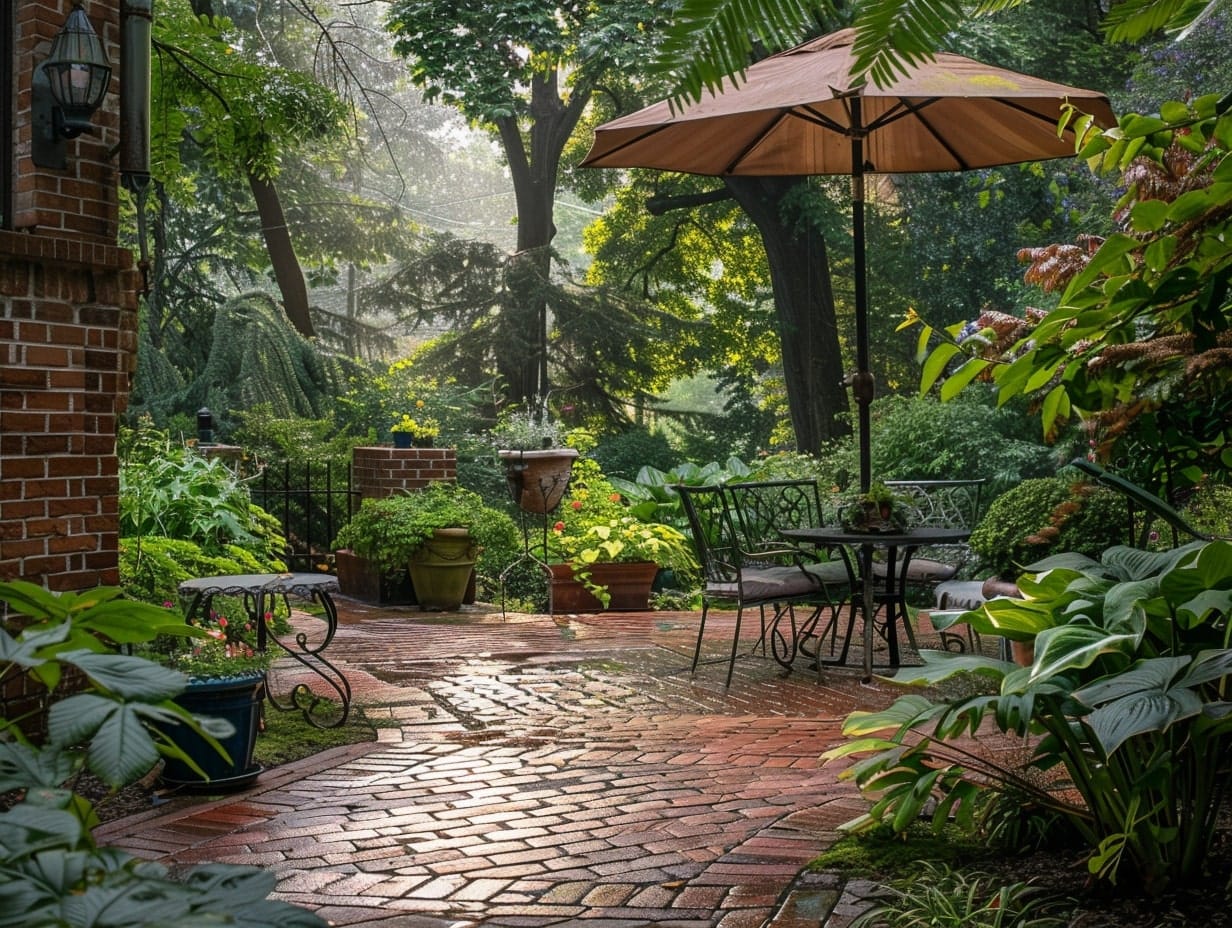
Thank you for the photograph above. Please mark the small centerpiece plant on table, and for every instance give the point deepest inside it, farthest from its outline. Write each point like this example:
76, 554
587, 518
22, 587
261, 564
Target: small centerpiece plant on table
878, 509
595, 528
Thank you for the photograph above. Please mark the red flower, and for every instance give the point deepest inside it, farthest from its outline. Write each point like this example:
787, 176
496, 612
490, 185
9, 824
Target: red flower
577, 505
615, 498
558, 527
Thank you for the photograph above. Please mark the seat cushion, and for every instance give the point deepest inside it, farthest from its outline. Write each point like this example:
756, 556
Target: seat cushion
830, 573
922, 570
768, 583
960, 594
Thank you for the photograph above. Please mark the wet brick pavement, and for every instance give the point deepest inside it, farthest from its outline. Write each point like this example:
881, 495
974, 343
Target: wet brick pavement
541, 771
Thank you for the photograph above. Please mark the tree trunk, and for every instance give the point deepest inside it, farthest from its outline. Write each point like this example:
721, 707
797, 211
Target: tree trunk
533, 162
287, 272
804, 304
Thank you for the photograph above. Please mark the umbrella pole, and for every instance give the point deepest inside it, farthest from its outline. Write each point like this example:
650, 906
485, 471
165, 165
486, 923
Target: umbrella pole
862, 383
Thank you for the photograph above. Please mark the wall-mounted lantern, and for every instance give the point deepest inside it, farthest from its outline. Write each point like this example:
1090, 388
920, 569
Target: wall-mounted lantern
67, 88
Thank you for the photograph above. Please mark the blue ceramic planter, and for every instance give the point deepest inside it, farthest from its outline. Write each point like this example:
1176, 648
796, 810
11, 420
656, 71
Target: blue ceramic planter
238, 701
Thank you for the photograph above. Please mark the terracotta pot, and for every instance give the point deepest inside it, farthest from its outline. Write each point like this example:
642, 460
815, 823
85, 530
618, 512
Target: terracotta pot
628, 584
538, 479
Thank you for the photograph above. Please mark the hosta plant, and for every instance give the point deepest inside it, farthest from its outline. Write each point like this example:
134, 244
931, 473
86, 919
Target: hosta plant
1125, 707
51, 870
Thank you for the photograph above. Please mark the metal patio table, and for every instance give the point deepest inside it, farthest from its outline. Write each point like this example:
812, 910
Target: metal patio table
899, 546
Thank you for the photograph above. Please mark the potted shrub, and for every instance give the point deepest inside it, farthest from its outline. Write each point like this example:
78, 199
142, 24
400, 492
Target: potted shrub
878, 509
428, 532
409, 432
226, 680
537, 467
601, 556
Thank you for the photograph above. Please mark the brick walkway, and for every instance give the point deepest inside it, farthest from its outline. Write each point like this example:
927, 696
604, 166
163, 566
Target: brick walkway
541, 772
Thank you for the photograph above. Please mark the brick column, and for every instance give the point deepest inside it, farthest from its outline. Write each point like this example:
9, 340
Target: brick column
68, 324
378, 472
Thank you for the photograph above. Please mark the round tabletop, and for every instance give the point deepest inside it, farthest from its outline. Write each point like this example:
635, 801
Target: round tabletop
922, 535
305, 585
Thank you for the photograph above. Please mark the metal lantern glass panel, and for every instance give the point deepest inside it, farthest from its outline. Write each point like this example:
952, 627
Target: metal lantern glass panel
68, 87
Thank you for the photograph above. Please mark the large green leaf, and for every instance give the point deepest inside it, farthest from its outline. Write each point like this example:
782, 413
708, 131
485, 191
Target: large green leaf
1125, 606
1074, 647
1207, 667
129, 676
941, 665
23, 766
1117, 722
1154, 674
27, 829
1018, 619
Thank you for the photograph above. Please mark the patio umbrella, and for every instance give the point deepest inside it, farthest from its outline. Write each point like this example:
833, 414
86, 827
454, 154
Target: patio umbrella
798, 112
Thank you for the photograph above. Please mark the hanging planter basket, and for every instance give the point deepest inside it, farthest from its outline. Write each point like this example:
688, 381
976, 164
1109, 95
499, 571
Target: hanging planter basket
538, 479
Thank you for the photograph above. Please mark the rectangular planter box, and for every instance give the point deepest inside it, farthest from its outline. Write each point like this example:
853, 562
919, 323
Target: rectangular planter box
628, 583
360, 580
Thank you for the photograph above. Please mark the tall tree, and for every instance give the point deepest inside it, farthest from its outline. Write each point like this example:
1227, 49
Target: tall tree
525, 71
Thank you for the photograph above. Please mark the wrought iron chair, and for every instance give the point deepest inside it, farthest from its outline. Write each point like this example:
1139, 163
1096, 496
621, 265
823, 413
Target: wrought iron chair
765, 508
743, 571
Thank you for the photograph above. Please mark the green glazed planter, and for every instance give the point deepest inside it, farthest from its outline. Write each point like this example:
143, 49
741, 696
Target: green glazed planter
441, 569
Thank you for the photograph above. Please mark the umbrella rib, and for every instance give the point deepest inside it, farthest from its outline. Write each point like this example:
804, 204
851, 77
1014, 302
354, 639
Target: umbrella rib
651, 131
809, 114
914, 109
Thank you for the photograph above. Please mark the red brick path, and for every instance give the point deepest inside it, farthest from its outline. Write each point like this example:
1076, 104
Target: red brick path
543, 771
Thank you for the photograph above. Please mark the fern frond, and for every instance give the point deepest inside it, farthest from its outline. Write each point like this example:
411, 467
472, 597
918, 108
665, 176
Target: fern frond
893, 35
714, 39
1132, 20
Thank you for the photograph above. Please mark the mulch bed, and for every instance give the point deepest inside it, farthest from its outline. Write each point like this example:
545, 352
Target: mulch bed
1065, 874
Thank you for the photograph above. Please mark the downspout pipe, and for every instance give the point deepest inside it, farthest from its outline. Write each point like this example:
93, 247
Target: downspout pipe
136, 22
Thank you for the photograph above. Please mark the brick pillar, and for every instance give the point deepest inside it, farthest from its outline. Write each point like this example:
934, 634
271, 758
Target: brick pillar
68, 323
377, 472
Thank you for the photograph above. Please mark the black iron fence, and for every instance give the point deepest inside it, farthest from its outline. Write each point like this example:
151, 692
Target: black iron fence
312, 501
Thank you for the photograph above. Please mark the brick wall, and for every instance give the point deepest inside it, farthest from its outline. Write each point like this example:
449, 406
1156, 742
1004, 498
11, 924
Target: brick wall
79, 203
378, 472
67, 336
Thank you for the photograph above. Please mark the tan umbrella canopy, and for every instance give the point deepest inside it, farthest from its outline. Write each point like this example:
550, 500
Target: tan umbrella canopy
798, 112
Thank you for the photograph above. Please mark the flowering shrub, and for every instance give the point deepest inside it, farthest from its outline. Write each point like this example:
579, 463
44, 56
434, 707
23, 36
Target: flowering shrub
595, 526
224, 649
